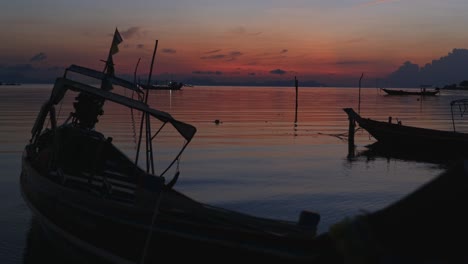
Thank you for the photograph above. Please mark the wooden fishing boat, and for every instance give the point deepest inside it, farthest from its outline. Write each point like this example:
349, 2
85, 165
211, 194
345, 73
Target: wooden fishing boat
169, 86
398, 136
88, 193
403, 92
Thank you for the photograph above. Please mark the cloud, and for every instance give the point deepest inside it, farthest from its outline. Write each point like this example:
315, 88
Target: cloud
242, 31
212, 51
169, 51
41, 56
351, 62
255, 33
235, 53
28, 73
278, 71
213, 57
130, 33
283, 51
445, 70
229, 57
18, 67
208, 72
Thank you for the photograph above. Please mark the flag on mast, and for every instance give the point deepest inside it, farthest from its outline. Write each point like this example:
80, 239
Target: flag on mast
115, 42
113, 50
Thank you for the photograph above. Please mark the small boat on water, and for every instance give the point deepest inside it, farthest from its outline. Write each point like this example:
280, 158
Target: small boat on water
416, 139
172, 85
422, 92
87, 192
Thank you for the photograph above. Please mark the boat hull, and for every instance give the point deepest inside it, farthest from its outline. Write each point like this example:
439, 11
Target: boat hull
88, 192
401, 92
397, 136
176, 86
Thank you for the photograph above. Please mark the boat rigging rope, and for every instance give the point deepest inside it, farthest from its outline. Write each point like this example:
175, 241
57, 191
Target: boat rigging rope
133, 128
341, 136
176, 175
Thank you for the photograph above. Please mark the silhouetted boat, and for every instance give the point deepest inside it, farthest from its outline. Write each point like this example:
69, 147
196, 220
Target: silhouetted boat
398, 136
403, 92
169, 86
84, 190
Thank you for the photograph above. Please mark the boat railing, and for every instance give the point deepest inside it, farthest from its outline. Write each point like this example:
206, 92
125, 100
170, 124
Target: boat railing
102, 76
62, 85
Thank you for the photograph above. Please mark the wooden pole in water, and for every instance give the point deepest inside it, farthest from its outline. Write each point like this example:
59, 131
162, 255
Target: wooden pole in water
296, 82
352, 126
359, 103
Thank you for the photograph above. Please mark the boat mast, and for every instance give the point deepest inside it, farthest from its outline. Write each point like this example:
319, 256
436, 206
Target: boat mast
149, 144
359, 103
145, 118
88, 107
109, 70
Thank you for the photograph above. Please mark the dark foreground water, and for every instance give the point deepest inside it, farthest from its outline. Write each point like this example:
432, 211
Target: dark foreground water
257, 160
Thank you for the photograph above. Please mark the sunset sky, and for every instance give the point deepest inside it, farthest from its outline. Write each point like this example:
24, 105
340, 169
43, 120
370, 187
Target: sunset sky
329, 41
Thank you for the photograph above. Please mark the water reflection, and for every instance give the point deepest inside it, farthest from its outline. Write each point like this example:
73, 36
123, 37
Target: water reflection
40, 249
251, 162
44, 246
380, 151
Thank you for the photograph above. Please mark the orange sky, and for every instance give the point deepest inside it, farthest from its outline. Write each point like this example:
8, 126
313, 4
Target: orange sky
327, 41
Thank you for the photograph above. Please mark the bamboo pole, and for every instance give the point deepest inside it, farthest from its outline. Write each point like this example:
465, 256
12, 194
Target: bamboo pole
352, 127
359, 103
149, 142
296, 82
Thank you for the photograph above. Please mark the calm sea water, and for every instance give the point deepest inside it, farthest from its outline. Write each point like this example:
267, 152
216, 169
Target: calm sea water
257, 160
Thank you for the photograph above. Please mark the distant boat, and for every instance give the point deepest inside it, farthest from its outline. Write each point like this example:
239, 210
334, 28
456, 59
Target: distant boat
9, 83
403, 92
169, 86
